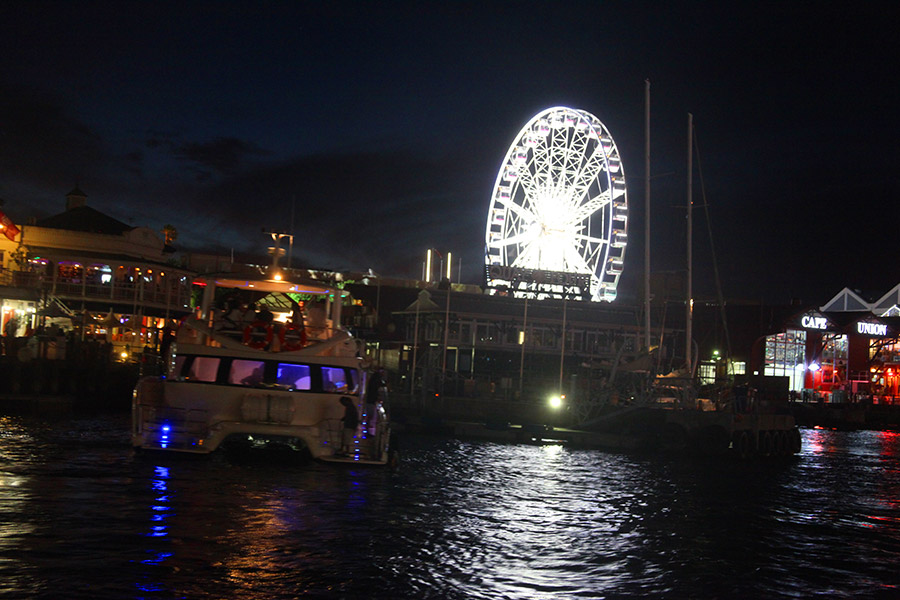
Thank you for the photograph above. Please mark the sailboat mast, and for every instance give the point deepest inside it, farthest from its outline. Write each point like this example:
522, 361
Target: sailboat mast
647, 214
688, 333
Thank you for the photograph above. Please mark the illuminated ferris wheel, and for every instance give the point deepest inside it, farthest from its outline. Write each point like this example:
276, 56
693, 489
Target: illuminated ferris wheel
558, 205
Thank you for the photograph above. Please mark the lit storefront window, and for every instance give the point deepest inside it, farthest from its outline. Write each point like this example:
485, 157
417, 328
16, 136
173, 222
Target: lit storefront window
784, 357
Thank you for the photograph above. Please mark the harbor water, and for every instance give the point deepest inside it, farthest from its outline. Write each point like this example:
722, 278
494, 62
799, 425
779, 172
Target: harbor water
84, 516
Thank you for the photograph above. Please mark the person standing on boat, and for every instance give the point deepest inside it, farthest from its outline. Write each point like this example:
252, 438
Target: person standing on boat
376, 394
249, 315
350, 422
265, 315
232, 314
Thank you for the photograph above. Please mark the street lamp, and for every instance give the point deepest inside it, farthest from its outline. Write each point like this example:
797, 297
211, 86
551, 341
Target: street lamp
277, 252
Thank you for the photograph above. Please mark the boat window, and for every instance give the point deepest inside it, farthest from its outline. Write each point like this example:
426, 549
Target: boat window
353, 381
296, 377
334, 379
179, 365
246, 372
204, 368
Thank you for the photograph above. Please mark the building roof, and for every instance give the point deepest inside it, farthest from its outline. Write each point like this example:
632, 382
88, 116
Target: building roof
99, 257
85, 218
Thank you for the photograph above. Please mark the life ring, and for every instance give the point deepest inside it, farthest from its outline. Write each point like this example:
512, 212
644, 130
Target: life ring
252, 338
295, 341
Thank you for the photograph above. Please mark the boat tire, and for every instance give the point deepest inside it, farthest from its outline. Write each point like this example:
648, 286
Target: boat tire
780, 443
742, 445
767, 444
796, 442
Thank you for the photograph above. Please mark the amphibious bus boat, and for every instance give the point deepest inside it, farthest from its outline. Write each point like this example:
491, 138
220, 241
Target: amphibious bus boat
258, 380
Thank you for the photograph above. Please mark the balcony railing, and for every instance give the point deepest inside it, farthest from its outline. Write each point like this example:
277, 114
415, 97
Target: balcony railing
141, 294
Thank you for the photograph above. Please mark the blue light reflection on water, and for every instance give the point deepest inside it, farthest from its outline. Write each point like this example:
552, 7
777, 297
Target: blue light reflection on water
80, 512
160, 511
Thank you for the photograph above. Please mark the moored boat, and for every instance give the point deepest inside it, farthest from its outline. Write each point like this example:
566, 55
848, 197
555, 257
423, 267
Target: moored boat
256, 381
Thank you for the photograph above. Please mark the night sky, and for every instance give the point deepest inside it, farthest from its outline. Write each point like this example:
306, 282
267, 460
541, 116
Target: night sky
381, 126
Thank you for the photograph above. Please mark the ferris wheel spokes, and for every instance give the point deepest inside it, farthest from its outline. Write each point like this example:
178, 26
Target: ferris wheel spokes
559, 205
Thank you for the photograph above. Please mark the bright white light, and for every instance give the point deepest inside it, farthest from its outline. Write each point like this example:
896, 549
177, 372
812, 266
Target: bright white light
814, 367
559, 203
555, 402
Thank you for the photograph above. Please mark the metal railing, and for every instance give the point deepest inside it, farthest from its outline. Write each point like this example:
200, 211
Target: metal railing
147, 293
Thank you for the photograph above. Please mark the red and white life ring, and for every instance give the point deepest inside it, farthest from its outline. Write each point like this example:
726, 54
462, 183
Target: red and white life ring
252, 336
291, 338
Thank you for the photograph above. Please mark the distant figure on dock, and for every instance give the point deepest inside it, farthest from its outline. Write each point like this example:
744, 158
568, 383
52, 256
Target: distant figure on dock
740, 398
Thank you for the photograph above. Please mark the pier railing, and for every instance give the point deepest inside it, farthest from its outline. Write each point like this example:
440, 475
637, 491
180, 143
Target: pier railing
170, 294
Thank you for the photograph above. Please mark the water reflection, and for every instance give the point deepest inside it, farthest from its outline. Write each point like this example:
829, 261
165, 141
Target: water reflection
80, 512
14, 499
160, 510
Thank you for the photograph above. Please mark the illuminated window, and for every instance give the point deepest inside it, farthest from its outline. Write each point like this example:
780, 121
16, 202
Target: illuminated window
334, 380
246, 372
785, 353
204, 368
296, 377
707, 373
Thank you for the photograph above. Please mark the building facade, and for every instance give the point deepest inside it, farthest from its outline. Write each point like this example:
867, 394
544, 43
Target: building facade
477, 345
94, 271
847, 350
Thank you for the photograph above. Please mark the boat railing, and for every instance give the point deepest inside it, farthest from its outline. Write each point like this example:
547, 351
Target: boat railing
368, 446
271, 337
330, 432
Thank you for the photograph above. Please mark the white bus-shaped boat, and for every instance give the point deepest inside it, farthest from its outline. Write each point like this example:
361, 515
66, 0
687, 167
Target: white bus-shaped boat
259, 383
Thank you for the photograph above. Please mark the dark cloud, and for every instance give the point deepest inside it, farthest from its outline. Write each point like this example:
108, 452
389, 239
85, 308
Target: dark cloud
383, 127
224, 155
42, 140
379, 209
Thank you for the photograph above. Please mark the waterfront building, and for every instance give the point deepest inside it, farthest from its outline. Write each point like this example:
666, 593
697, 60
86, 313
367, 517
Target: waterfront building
462, 344
847, 349
95, 271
